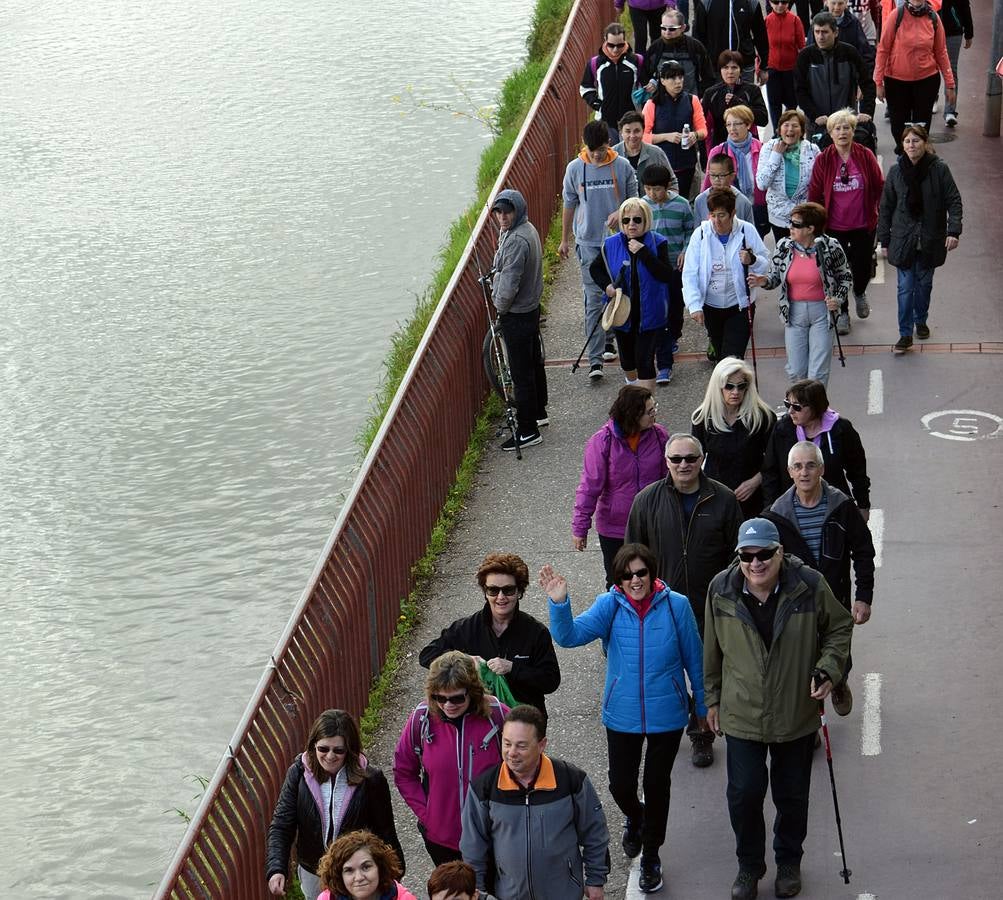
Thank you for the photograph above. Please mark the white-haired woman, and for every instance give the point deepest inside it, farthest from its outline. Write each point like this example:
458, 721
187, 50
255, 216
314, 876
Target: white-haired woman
637, 260
734, 425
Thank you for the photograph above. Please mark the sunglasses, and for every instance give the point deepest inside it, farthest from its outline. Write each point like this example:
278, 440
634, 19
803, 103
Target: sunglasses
781, 2
637, 573
796, 407
324, 751
797, 224
454, 699
673, 28
676, 460
633, 220
844, 175
509, 590
747, 556
744, 386
616, 46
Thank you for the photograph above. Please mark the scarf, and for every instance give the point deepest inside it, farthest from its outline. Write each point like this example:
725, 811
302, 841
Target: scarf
792, 169
743, 155
923, 10
914, 174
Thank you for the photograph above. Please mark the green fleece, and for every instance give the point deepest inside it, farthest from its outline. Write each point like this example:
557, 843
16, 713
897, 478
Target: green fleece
765, 696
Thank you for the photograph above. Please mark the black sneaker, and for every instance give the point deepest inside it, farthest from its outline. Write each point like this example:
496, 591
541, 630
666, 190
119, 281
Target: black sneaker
525, 440
903, 344
703, 750
746, 884
595, 370
650, 879
632, 837
788, 883
922, 332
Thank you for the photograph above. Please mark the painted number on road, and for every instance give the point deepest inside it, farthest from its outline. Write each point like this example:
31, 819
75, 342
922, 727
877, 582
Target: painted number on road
963, 425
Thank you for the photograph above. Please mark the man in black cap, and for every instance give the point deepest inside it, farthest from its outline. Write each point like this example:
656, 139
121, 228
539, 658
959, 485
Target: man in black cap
516, 288
775, 643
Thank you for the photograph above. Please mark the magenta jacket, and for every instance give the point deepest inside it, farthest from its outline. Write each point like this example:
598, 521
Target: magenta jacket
612, 474
451, 758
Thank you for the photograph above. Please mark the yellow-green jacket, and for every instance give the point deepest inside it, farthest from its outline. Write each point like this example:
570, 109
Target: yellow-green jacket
766, 696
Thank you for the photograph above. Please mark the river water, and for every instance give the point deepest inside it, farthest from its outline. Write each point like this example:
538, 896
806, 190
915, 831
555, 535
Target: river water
212, 216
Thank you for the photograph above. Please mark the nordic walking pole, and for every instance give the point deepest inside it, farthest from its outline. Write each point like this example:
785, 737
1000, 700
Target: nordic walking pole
748, 313
845, 873
577, 363
839, 343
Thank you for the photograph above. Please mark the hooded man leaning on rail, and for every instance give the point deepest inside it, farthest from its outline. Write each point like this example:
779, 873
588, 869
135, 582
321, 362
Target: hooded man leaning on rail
516, 288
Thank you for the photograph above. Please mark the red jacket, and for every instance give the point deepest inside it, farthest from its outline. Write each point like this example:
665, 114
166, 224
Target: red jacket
826, 167
786, 36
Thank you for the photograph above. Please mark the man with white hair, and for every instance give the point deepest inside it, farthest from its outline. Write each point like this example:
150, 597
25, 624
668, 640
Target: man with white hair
823, 527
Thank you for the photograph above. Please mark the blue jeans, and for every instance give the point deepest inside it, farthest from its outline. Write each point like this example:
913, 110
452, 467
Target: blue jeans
808, 339
915, 286
595, 300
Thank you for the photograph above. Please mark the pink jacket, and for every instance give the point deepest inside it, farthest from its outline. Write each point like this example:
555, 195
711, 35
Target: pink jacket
612, 475
402, 893
759, 197
452, 758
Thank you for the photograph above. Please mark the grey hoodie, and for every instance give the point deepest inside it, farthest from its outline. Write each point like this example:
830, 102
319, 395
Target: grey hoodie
518, 264
597, 191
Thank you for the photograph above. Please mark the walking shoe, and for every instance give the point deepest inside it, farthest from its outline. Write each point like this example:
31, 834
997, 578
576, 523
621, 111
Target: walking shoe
703, 750
595, 370
842, 699
843, 323
675, 347
922, 331
746, 885
903, 344
609, 352
788, 883
651, 875
664, 376
863, 307
541, 423
951, 120
525, 440
631, 842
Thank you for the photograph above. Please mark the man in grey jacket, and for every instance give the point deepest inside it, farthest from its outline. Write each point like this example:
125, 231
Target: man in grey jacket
537, 818
516, 288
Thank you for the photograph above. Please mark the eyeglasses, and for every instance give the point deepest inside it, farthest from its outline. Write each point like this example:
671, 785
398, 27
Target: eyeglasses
509, 590
676, 460
844, 175
807, 467
747, 556
616, 46
633, 220
796, 407
797, 224
744, 386
452, 699
637, 573
719, 175
673, 28
324, 751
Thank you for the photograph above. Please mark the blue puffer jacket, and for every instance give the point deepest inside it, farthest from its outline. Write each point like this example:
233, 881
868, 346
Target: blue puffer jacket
645, 689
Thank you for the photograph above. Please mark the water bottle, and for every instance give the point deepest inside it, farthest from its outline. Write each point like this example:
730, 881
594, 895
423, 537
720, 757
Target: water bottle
685, 143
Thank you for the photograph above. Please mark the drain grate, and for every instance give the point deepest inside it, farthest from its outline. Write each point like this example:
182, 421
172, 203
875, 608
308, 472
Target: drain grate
943, 137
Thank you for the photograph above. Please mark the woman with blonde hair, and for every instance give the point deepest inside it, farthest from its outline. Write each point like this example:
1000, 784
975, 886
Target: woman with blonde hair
734, 425
637, 261
449, 739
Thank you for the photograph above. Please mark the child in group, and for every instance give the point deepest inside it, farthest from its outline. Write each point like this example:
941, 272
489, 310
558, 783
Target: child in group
721, 175
672, 218
786, 38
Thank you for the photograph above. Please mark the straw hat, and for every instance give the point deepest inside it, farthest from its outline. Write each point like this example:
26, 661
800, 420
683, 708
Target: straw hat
617, 311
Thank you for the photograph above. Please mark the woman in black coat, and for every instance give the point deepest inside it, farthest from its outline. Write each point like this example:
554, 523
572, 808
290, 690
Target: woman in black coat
728, 92
330, 790
919, 221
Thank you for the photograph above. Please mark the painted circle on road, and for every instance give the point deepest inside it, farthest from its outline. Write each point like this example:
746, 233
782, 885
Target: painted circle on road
963, 425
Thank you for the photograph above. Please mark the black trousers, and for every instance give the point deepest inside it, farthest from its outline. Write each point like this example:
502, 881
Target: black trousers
664, 358
728, 330
522, 339
858, 245
637, 351
779, 232
624, 765
790, 783
609, 547
440, 854
780, 93
910, 101
647, 26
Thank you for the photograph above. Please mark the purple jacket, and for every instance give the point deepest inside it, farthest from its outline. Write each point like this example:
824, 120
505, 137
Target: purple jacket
646, 4
612, 474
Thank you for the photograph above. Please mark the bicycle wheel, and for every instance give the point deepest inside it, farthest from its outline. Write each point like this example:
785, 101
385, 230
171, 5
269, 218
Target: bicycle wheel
495, 357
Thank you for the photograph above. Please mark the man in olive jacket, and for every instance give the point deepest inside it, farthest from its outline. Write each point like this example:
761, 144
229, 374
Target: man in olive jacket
775, 642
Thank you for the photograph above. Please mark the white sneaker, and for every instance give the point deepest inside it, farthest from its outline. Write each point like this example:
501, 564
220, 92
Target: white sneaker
951, 120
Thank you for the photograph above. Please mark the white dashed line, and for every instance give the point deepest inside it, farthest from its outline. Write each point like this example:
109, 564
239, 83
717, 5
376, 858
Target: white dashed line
870, 731
876, 393
876, 523
866, 897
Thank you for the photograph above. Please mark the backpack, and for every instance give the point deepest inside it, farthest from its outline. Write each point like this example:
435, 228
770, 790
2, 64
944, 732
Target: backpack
594, 65
424, 735
901, 12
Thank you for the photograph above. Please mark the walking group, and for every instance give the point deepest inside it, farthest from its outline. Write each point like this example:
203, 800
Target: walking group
737, 557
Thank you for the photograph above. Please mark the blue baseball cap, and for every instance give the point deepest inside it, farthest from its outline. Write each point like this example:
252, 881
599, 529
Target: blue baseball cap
758, 533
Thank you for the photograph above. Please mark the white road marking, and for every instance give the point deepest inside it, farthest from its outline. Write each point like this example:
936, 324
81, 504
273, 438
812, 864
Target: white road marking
870, 731
879, 269
876, 393
876, 523
867, 897
972, 821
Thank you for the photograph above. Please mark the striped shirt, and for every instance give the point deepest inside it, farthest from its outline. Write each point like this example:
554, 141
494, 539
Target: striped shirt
673, 220
810, 521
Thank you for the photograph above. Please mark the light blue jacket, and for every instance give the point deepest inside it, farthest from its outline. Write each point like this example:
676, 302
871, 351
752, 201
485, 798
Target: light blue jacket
645, 689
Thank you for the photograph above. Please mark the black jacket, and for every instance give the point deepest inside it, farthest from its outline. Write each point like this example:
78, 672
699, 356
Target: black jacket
748, 29
690, 553
608, 87
845, 461
826, 82
902, 234
715, 105
297, 817
845, 537
690, 54
526, 642
957, 18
